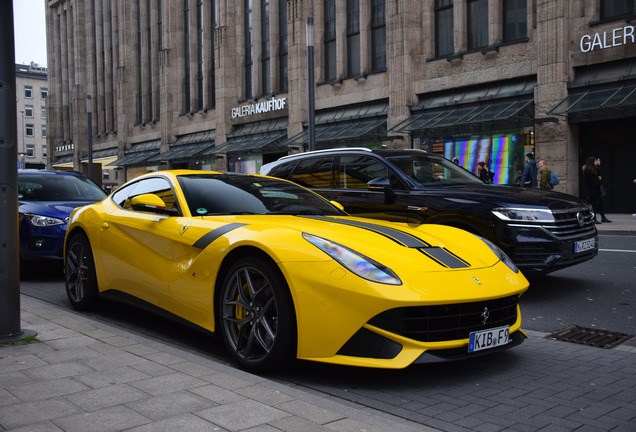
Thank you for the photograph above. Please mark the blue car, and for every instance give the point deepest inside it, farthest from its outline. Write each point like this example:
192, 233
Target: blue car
46, 199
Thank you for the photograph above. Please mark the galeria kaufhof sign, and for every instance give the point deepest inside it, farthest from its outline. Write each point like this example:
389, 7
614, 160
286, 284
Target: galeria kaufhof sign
273, 104
607, 39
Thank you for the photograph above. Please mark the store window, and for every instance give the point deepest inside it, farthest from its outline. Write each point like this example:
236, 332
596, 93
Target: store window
444, 42
378, 35
515, 20
353, 37
249, 91
503, 152
265, 49
330, 40
283, 59
613, 9
477, 24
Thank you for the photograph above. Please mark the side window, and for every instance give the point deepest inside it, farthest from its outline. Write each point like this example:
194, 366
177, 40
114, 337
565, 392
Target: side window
156, 185
314, 172
282, 171
354, 172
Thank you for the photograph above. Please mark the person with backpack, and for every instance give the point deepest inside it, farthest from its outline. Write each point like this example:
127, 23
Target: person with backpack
548, 179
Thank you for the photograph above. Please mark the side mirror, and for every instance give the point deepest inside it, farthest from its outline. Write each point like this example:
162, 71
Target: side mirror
337, 204
379, 184
150, 203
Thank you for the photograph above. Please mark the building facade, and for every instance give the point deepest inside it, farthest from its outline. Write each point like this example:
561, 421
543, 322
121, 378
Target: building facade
154, 84
31, 93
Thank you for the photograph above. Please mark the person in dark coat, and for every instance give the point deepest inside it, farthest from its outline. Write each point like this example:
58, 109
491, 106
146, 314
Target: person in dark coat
592, 185
529, 176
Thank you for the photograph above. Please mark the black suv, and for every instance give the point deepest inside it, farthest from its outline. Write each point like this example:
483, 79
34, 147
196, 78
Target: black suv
540, 230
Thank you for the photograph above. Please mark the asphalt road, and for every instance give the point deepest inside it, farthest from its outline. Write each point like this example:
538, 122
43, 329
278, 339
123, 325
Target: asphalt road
540, 385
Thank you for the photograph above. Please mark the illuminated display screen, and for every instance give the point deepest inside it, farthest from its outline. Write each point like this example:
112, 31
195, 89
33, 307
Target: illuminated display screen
502, 153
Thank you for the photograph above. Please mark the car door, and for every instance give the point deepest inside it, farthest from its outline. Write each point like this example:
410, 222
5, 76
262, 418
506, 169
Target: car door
135, 247
367, 187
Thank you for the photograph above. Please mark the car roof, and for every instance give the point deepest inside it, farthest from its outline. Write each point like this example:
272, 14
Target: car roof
265, 169
50, 172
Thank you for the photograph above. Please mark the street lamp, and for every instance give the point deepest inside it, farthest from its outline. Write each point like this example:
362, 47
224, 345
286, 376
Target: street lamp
310, 82
23, 152
90, 136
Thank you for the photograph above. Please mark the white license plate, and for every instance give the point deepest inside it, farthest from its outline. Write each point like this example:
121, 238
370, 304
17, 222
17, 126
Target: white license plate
491, 338
584, 245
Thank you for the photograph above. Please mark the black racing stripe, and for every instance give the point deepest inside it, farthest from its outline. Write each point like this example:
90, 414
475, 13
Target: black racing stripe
445, 258
208, 238
406, 239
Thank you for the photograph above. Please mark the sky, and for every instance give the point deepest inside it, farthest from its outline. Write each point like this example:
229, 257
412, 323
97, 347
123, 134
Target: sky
29, 31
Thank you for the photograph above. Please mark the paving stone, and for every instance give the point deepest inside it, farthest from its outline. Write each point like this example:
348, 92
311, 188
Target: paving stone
167, 383
105, 397
310, 412
59, 370
169, 405
181, 423
265, 395
107, 420
28, 413
47, 389
39, 427
111, 377
217, 394
241, 414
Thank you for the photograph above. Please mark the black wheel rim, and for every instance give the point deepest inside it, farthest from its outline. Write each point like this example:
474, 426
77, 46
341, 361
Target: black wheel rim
76, 272
250, 315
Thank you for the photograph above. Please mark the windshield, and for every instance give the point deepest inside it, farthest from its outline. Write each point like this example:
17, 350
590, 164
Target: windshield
427, 170
219, 194
56, 187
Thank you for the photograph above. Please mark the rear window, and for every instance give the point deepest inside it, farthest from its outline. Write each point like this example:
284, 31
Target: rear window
55, 187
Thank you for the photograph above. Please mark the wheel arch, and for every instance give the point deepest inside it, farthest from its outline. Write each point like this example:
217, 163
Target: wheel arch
234, 256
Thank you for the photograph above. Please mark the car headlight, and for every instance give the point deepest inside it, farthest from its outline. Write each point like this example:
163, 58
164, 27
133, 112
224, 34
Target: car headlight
357, 263
44, 221
523, 215
500, 254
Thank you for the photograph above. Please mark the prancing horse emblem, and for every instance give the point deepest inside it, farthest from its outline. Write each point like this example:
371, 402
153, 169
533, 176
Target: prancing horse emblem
485, 315
184, 228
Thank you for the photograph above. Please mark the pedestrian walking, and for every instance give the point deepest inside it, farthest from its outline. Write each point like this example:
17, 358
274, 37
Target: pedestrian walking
529, 176
592, 186
601, 207
544, 175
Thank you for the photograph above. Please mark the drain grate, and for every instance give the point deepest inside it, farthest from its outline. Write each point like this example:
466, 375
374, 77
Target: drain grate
590, 337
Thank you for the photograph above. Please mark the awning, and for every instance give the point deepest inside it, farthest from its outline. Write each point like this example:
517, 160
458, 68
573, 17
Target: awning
602, 104
505, 105
600, 92
261, 144
362, 130
63, 161
182, 152
348, 125
104, 157
138, 154
488, 115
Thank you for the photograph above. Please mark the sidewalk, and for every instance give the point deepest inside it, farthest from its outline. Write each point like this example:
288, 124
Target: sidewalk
622, 224
85, 376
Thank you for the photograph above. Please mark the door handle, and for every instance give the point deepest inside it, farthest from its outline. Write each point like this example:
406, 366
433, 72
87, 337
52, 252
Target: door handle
105, 226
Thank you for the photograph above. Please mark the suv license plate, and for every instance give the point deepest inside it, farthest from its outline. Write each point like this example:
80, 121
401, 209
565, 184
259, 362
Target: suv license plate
488, 338
584, 245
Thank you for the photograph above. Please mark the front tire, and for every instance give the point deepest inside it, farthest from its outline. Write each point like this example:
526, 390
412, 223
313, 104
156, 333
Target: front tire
80, 276
256, 315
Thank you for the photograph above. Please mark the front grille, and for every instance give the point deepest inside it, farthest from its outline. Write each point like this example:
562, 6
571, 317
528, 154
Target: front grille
447, 322
566, 225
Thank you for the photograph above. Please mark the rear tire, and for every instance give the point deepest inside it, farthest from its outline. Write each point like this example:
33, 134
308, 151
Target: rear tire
256, 315
80, 276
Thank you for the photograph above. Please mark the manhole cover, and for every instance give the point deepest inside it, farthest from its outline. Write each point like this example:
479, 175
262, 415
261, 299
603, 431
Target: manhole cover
591, 337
